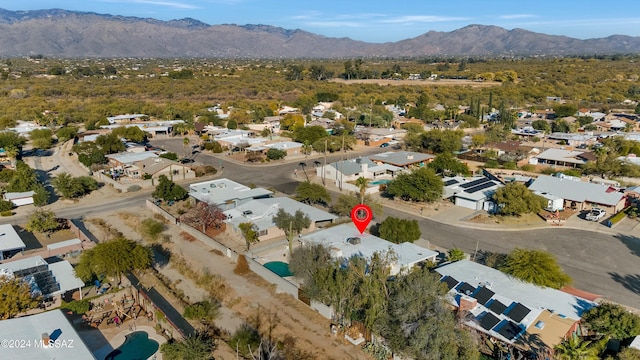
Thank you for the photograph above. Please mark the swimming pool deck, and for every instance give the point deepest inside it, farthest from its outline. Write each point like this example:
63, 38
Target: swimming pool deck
116, 337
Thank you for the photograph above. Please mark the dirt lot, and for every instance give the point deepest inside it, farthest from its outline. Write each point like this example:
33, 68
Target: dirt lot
448, 82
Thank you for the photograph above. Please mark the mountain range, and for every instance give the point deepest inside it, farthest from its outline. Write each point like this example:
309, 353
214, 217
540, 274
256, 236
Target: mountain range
62, 33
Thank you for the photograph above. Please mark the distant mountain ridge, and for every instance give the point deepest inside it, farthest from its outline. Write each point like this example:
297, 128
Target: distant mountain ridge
63, 33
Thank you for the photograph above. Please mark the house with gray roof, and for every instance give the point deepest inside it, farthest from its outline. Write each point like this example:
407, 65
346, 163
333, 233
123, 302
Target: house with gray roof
562, 157
580, 195
156, 167
51, 328
226, 194
345, 241
532, 318
473, 193
260, 213
403, 159
10, 242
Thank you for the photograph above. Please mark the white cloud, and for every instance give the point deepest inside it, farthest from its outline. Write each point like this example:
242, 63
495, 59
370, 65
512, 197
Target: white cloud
516, 16
421, 19
171, 4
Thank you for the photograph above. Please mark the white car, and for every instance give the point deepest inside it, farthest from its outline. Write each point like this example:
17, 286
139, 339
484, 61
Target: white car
595, 214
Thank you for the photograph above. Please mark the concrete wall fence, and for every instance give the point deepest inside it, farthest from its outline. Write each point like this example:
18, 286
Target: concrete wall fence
158, 210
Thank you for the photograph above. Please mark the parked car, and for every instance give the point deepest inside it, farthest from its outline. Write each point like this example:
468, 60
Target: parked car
595, 214
186, 161
384, 144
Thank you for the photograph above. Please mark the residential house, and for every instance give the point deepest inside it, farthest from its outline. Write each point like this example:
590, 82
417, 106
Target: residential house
118, 119
561, 157
52, 328
574, 139
474, 193
125, 159
291, 147
402, 159
532, 318
345, 241
580, 195
260, 213
346, 170
46, 279
156, 167
155, 128
226, 194
10, 242
19, 198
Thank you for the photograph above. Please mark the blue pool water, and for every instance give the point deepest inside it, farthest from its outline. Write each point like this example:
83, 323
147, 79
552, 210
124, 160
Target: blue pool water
378, 182
279, 267
137, 346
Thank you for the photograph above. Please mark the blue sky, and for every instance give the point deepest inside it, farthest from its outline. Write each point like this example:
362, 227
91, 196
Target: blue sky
376, 20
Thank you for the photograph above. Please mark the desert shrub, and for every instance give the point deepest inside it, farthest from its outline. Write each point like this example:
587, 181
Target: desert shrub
134, 188
5, 205
78, 306
6, 213
151, 229
242, 266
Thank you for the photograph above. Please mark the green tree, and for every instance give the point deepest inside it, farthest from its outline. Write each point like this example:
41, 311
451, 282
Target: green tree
399, 230
151, 229
202, 310
306, 260
419, 185
276, 154
362, 184
576, 349
455, 254
15, 297
72, 187
564, 110
194, 347
11, 139
168, 190
41, 138
560, 126
345, 203
309, 134
438, 141
169, 155
418, 323
542, 125
291, 224
110, 143
41, 195
612, 320
5, 205
628, 354
113, 258
89, 153
249, 233
232, 124
44, 221
130, 133
24, 178
535, 266
66, 133
311, 193
515, 199
448, 165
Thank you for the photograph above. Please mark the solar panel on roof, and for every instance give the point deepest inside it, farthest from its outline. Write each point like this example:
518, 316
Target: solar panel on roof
483, 295
509, 330
450, 182
518, 312
488, 321
480, 187
497, 307
474, 183
465, 288
451, 282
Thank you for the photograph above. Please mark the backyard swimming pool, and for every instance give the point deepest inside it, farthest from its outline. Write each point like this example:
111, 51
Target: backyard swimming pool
137, 346
381, 181
279, 267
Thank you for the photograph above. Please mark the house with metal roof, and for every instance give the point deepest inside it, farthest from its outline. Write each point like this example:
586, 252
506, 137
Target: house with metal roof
10, 242
19, 198
47, 335
532, 318
580, 195
260, 213
157, 166
473, 193
561, 157
402, 159
226, 194
128, 158
345, 241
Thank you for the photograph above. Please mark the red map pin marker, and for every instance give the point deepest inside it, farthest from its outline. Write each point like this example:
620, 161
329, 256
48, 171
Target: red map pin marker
361, 216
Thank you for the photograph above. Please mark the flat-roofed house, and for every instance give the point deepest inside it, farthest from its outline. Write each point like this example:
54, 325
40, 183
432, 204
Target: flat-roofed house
225, 193
10, 242
580, 195
532, 318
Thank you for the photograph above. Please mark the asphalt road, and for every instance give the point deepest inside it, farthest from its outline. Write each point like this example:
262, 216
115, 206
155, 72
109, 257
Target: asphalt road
600, 263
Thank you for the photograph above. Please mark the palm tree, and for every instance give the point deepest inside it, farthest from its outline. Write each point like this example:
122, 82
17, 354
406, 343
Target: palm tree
362, 184
185, 142
576, 349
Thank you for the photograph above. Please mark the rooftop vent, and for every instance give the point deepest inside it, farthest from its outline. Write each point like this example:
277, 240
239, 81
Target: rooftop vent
353, 240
